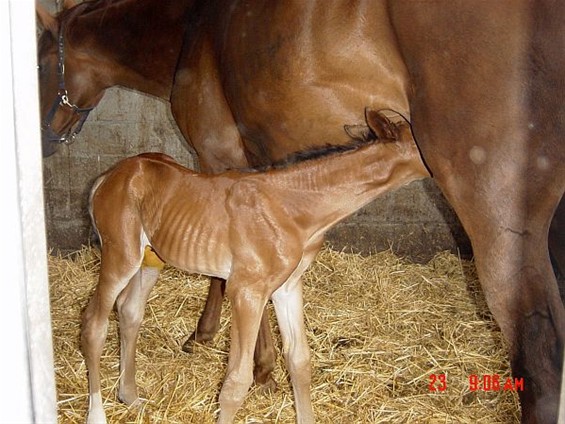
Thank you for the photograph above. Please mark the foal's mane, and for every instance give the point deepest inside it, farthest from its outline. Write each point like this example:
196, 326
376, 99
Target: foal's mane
314, 153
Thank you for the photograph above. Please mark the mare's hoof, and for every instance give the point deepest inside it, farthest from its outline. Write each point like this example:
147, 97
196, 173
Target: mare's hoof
202, 338
266, 384
188, 346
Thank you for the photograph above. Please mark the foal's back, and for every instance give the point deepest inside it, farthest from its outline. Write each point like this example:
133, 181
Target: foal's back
151, 199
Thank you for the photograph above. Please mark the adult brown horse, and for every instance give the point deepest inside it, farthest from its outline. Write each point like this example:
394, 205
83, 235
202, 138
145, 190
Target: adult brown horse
91, 47
478, 81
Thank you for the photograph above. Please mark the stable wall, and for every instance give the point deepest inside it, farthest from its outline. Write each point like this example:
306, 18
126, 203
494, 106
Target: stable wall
415, 221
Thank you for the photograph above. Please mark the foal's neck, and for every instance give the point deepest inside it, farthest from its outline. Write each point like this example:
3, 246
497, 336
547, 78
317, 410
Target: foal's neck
333, 187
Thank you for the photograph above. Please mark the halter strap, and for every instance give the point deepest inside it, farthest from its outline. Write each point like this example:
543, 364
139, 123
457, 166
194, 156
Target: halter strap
61, 100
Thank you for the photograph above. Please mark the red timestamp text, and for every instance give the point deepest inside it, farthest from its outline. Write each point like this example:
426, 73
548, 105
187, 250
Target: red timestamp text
495, 383
483, 383
438, 383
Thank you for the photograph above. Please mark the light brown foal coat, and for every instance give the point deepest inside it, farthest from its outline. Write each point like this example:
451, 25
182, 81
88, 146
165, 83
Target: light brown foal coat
258, 230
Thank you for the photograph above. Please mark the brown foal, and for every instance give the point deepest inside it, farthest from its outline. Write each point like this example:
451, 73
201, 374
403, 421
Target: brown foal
259, 231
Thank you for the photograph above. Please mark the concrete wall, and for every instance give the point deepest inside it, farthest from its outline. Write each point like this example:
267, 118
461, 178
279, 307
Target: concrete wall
416, 221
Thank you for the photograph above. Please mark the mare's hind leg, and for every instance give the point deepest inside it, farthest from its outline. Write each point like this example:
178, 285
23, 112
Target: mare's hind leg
505, 203
520, 288
131, 307
557, 245
490, 127
115, 273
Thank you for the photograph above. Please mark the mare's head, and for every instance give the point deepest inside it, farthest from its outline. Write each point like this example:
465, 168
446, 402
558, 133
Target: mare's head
69, 81
99, 44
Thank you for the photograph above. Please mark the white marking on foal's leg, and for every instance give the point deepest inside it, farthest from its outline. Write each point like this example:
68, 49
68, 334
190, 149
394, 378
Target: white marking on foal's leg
96, 413
289, 309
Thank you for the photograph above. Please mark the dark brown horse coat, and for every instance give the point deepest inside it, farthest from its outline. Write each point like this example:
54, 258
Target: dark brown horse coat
480, 83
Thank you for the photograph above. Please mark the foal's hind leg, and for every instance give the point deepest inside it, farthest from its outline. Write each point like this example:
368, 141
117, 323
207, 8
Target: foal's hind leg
131, 307
289, 309
115, 272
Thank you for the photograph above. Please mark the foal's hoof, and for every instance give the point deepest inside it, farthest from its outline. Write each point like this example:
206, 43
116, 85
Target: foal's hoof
131, 400
137, 404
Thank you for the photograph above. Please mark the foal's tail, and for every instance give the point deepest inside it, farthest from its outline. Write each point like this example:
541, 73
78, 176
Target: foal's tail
96, 236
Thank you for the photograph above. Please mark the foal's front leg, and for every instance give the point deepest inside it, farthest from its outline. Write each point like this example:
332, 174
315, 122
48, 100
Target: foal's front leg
289, 307
208, 326
247, 304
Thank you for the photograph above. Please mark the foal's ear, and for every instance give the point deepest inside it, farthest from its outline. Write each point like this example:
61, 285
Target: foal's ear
383, 128
358, 132
47, 20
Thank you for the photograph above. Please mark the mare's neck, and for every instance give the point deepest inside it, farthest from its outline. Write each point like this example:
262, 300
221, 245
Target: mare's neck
137, 42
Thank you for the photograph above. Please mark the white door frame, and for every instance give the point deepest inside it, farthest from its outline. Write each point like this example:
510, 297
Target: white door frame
26, 365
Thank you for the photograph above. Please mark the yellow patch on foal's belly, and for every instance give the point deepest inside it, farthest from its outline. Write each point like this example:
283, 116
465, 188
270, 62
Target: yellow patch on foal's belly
151, 259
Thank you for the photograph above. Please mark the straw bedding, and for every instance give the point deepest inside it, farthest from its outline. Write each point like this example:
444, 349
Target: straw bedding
378, 327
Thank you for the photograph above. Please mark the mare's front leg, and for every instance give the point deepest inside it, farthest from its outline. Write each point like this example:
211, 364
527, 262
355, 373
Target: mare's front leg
131, 307
209, 321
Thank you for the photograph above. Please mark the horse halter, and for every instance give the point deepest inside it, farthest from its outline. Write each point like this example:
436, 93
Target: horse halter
61, 100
